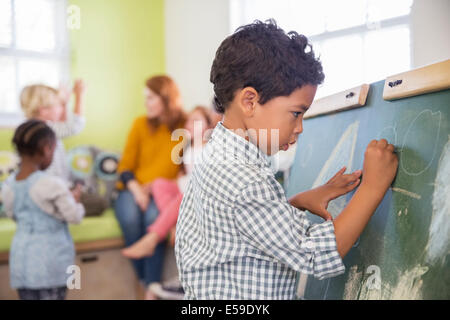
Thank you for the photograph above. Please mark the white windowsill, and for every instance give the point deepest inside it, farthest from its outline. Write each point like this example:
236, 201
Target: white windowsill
10, 120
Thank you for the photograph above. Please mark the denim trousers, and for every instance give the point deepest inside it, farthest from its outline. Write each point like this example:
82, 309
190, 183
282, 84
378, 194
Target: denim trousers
134, 222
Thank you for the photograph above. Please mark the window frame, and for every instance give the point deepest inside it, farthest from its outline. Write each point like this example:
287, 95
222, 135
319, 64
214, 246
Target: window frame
362, 30
237, 18
60, 54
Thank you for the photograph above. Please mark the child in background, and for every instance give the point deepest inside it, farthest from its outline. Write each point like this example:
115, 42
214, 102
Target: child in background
167, 193
41, 204
50, 105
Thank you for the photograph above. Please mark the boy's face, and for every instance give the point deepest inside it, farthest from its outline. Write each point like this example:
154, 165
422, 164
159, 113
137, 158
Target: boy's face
283, 114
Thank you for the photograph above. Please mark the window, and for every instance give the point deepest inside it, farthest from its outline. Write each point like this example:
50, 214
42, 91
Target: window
33, 49
358, 41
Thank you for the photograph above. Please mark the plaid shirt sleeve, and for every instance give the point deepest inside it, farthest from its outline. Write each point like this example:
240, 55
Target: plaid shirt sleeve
274, 229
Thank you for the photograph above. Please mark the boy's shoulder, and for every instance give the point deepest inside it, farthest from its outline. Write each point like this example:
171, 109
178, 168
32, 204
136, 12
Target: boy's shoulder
229, 171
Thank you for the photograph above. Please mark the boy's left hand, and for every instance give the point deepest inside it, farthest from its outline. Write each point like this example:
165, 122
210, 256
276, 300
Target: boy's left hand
316, 200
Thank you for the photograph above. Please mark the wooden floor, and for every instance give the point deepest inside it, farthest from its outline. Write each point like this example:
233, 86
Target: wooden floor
105, 273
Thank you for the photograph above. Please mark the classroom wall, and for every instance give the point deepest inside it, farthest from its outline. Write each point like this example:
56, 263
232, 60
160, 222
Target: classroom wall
119, 45
194, 30
5, 139
430, 26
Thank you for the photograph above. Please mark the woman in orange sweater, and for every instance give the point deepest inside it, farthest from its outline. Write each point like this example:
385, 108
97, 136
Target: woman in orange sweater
147, 156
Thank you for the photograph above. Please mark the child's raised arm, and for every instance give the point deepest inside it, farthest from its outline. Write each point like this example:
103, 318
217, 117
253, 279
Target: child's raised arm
79, 90
75, 124
70, 127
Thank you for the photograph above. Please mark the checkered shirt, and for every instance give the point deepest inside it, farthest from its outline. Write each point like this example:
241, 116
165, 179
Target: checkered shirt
237, 237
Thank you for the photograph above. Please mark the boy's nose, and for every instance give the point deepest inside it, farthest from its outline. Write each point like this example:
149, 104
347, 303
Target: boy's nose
299, 127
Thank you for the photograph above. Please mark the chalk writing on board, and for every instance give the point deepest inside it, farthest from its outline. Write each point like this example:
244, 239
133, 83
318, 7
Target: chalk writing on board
390, 134
408, 286
426, 142
342, 155
405, 212
406, 192
438, 245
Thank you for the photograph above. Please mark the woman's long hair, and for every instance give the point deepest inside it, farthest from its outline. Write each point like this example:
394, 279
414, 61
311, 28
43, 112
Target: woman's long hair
173, 115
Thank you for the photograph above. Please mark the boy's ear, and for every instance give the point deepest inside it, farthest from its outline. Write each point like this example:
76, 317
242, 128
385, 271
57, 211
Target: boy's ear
248, 99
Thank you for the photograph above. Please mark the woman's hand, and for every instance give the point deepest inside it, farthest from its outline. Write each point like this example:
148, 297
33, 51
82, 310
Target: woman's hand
316, 200
147, 188
142, 199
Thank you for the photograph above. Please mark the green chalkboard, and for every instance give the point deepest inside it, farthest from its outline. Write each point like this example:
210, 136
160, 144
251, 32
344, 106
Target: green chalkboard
406, 243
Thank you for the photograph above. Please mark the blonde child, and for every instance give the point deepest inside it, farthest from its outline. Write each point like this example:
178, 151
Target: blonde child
42, 205
48, 104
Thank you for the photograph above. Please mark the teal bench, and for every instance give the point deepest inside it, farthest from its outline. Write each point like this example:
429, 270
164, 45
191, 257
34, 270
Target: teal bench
91, 229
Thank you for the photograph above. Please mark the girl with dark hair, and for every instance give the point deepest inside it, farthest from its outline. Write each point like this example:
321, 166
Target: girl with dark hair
42, 205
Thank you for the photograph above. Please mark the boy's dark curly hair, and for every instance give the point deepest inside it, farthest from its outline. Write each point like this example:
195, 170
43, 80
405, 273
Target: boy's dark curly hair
261, 55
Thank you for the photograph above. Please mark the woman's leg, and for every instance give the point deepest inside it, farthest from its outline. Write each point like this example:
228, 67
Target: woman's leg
131, 222
157, 231
153, 265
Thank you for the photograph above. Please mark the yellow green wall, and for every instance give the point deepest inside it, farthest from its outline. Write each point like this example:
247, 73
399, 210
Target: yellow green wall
5, 139
119, 45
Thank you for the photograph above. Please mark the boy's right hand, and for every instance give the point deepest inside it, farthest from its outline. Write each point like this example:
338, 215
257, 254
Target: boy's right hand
380, 165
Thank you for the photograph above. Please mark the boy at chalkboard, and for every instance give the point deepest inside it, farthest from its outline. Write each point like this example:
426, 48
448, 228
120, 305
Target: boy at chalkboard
237, 235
